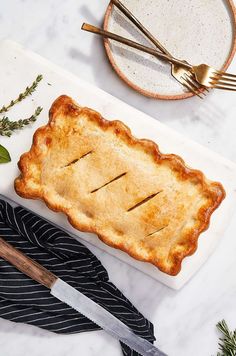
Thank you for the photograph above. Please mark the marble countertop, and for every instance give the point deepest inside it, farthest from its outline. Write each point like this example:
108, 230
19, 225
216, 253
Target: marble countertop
184, 320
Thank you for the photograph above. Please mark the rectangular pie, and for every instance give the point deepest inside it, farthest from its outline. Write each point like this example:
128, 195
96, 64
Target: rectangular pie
148, 204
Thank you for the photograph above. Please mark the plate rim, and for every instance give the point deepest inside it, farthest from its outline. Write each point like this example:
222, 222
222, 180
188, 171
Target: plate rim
148, 93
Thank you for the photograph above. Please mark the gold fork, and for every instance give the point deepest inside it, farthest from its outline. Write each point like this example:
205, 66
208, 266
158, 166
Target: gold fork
180, 73
204, 74
212, 78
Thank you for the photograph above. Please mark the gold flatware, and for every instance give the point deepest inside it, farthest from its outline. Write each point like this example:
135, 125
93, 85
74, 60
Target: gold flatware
212, 78
204, 74
180, 73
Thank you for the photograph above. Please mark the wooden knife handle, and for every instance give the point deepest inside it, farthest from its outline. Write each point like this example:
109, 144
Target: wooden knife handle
26, 265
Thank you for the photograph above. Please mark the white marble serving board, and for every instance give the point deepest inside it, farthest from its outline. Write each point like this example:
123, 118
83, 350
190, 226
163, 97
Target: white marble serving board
19, 67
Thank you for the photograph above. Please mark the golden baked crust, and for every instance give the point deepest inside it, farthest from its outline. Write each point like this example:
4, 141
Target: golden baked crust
106, 181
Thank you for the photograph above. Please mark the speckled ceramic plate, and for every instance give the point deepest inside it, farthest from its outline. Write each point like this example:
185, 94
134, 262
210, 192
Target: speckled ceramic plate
200, 31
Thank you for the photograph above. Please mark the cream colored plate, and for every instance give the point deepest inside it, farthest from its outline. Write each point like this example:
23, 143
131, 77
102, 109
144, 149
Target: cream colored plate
200, 31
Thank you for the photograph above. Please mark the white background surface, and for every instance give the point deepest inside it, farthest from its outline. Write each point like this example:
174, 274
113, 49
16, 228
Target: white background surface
184, 320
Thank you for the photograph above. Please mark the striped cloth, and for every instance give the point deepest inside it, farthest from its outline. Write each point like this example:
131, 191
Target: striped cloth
23, 300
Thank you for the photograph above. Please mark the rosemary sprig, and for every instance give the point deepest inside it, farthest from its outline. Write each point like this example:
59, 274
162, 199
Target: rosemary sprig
227, 344
7, 126
28, 91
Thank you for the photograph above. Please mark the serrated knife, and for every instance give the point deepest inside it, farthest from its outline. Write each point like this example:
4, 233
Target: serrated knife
78, 301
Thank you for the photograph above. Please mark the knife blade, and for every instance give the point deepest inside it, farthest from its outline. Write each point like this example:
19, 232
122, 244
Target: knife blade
78, 301
100, 316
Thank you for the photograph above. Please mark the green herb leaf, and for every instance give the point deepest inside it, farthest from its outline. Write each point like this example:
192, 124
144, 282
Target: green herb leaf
28, 91
7, 126
227, 344
4, 155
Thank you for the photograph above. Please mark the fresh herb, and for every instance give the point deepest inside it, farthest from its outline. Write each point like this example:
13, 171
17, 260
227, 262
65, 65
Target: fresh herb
4, 155
7, 127
28, 91
227, 344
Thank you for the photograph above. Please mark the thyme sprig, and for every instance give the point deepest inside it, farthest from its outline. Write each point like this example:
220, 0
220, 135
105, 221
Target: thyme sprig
28, 91
227, 344
7, 126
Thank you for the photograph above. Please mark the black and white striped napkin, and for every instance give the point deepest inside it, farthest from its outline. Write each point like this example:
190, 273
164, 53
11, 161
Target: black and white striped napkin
23, 300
